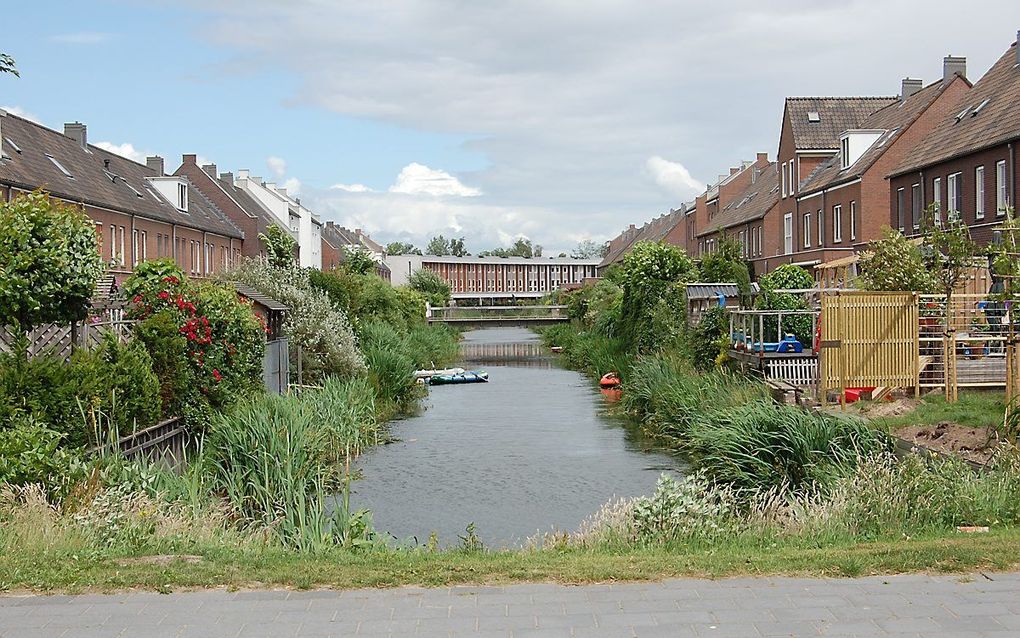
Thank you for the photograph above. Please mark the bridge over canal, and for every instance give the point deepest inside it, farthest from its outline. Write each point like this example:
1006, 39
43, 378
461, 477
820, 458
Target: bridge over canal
468, 317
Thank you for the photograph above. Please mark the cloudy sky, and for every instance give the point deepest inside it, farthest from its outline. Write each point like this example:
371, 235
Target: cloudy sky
558, 120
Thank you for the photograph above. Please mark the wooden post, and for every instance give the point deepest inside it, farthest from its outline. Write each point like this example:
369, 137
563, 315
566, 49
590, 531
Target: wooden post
842, 351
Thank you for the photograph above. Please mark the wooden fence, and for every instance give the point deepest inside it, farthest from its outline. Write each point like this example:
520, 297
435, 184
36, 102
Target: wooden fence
167, 442
61, 340
868, 339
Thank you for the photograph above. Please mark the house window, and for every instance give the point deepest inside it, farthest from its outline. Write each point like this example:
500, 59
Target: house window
853, 220
122, 254
113, 243
1001, 194
901, 196
793, 182
936, 199
979, 192
821, 229
182, 196
788, 233
784, 179
844, 151
134, 247
837, 224
807, 230
954, 185
145, 248
60, 166
915, 205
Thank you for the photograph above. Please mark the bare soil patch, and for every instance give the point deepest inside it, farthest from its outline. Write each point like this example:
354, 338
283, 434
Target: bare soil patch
973, 444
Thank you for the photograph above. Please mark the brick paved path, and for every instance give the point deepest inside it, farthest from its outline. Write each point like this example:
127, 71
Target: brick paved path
883, 606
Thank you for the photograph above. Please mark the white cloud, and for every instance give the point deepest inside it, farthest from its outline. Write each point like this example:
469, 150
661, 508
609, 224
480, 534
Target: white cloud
673, 177
293, 186
80, 37
352, 188
126, 149
20, 112
277, 165
418, 179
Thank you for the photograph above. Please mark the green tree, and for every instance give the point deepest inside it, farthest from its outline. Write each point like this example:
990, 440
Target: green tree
438, 246
279, 247
7, 65
49, 261
654, 306
589, 249
786, 277
947, 251
522, 247
894, 263
358, 261
432, 286
726, 265
457, 248
401, 248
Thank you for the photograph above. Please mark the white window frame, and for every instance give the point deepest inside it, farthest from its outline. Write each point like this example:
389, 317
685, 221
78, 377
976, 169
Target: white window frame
979, 192
806, 229
1001, 193
122, 255
837, 224
844, 150
134, 247
788, 233
915, 201
821, 228
936, 198
853, 220
793, 182
783, 176
953, 190
182, 196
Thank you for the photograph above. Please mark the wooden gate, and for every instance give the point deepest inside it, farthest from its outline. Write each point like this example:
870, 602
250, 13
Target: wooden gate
868, 339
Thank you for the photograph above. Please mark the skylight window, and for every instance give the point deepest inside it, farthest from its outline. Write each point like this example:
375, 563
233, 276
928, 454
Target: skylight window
978, 108
16, 148
814, 116
133, 190
962, 114
63, 170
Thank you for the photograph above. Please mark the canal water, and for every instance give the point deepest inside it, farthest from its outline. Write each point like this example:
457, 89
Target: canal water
531, 451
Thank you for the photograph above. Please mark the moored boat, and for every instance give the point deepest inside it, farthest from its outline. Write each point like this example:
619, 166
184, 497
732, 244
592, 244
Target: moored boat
466, 376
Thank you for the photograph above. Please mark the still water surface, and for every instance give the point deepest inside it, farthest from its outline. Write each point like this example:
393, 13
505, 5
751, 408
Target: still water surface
532, 450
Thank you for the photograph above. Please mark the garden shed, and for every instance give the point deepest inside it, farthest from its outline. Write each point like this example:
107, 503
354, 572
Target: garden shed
276, 364
702, 296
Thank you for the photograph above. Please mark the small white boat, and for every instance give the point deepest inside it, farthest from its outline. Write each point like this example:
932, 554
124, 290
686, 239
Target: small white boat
428, 374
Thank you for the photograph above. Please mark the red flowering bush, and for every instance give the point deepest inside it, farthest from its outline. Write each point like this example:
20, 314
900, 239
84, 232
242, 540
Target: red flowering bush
224, 340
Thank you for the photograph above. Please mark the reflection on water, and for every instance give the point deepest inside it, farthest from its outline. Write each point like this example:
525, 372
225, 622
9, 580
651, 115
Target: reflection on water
532, 450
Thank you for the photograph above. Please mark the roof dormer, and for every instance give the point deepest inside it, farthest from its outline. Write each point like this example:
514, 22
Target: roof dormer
854, 143
173, 189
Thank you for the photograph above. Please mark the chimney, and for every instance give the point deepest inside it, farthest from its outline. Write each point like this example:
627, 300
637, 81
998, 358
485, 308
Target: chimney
282, 191
155, 164
952, 65
908, 87
227, 177
762, 157
210, 170
734, 171
76, 131
189, 158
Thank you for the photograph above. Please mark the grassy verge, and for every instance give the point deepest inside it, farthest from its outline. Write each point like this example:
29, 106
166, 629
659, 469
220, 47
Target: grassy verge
958, 553
974, 408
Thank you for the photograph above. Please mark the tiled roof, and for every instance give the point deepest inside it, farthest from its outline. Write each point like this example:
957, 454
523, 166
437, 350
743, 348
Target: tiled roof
250, 205
834, 115
894, 119
99, 178
654, 230
997, 121
751, 204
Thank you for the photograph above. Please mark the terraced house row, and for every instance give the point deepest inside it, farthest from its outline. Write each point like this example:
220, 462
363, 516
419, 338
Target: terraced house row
847, 166
203, 219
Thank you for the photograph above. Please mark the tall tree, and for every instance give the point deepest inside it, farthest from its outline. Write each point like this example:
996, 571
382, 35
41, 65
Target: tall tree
401, 248
438, 246
457, 248
280, 246
7, 65
520, 248
590, 249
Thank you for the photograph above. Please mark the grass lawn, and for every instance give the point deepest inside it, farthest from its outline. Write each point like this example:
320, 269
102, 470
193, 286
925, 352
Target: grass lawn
974, 408
60, 572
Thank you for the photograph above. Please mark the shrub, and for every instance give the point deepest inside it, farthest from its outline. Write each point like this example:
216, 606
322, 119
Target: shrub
433, 287
316, 328
894, 263
31, 453
225, 340
709, 338
367, 297
168, 348
726, 264
786, 277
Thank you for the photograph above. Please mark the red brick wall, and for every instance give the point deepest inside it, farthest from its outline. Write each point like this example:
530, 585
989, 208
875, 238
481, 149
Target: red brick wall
250, 225
981, 229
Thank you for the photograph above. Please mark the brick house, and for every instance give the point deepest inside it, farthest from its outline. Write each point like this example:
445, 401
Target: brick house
139, 212
240, 207
718, 213
810, 137
657, 229
336, 240
288, 211
851, 189
967, 165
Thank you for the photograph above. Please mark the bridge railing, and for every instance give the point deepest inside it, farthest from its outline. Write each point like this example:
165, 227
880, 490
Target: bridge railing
498, 313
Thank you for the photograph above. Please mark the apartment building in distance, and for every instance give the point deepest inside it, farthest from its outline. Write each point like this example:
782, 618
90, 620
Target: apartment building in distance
491, 278
140, 213
967, 165
304, 226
